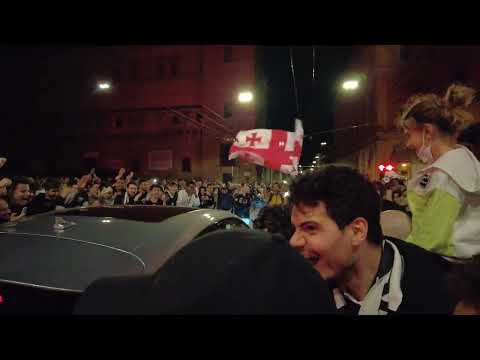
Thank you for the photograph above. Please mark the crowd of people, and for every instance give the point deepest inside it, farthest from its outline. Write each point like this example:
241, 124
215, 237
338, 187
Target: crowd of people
24, 196
335, 217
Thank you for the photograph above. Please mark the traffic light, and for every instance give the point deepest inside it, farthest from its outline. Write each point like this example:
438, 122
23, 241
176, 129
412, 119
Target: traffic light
386, 167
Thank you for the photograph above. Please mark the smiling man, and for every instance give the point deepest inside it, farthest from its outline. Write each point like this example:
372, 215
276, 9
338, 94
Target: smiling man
336, 215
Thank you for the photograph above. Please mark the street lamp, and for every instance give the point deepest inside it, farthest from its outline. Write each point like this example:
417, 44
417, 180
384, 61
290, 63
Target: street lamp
350, 85
104, 86
245, 97
323, 143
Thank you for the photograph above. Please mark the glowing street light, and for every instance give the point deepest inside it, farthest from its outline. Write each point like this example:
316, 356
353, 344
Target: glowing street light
104, 86
404, 165
350, 85
314, 162
245, 97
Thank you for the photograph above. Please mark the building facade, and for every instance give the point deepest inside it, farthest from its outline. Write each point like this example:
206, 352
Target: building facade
170, 111
389, 75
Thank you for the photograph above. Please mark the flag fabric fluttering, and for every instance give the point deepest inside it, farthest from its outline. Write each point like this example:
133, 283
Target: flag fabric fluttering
275, 149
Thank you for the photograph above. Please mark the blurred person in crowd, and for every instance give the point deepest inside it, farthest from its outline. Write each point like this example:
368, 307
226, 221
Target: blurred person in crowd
20, 195
465, 287
471, 138
164, 184
188, 197
121, 174
129, 197
156, 196
107, 197
182, 184
120, 187
276, 197
4, 184
242, 201
443, 196
5, 212
198, 185
225, 199
94, 193
336, 216
143, 190
68, 187
171, 194
400, 199
395, 224
47, 201
259, 201
80, 196
206, 199
275, 219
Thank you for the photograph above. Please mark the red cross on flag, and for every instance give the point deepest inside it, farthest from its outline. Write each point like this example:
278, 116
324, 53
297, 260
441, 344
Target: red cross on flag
276, 149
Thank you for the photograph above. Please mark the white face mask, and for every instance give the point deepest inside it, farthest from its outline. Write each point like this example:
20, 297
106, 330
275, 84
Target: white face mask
425, 152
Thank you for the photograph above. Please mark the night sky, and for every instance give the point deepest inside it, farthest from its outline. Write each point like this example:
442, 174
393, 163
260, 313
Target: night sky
316, 97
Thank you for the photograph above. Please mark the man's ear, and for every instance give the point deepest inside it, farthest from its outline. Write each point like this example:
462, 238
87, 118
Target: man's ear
359, 227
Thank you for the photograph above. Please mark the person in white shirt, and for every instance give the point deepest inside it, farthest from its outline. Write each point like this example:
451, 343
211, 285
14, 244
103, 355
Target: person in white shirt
188, 197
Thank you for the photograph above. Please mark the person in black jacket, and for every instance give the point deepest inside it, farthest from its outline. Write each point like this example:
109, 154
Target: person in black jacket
129, 197
336, 215
224, 272
464, 284
225, 199
47, 201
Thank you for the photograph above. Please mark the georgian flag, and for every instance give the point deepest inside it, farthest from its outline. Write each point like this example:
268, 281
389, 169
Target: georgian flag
276, 149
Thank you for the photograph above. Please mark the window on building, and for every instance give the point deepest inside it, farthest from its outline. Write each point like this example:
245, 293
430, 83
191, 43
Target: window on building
186, 165
228, 110
133, 70
199, 117
174, 67
227, 54
160, 70
118, 122
224, 150
175, 120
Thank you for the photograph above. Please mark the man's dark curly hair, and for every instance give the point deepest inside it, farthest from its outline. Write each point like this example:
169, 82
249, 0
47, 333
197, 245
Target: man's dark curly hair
346, 193
275, 219
464, 282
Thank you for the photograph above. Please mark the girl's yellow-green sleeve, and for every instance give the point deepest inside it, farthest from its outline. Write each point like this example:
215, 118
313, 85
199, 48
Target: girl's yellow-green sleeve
434, 217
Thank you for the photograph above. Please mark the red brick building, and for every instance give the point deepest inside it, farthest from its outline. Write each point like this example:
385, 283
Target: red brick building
389, 74
170, 110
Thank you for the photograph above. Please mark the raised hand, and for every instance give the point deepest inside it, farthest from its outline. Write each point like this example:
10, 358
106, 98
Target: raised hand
14, 217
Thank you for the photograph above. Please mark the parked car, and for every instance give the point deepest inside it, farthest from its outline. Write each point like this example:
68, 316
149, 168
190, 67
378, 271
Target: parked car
47, 260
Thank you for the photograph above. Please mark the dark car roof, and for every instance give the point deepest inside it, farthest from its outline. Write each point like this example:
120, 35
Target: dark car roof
92, 243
